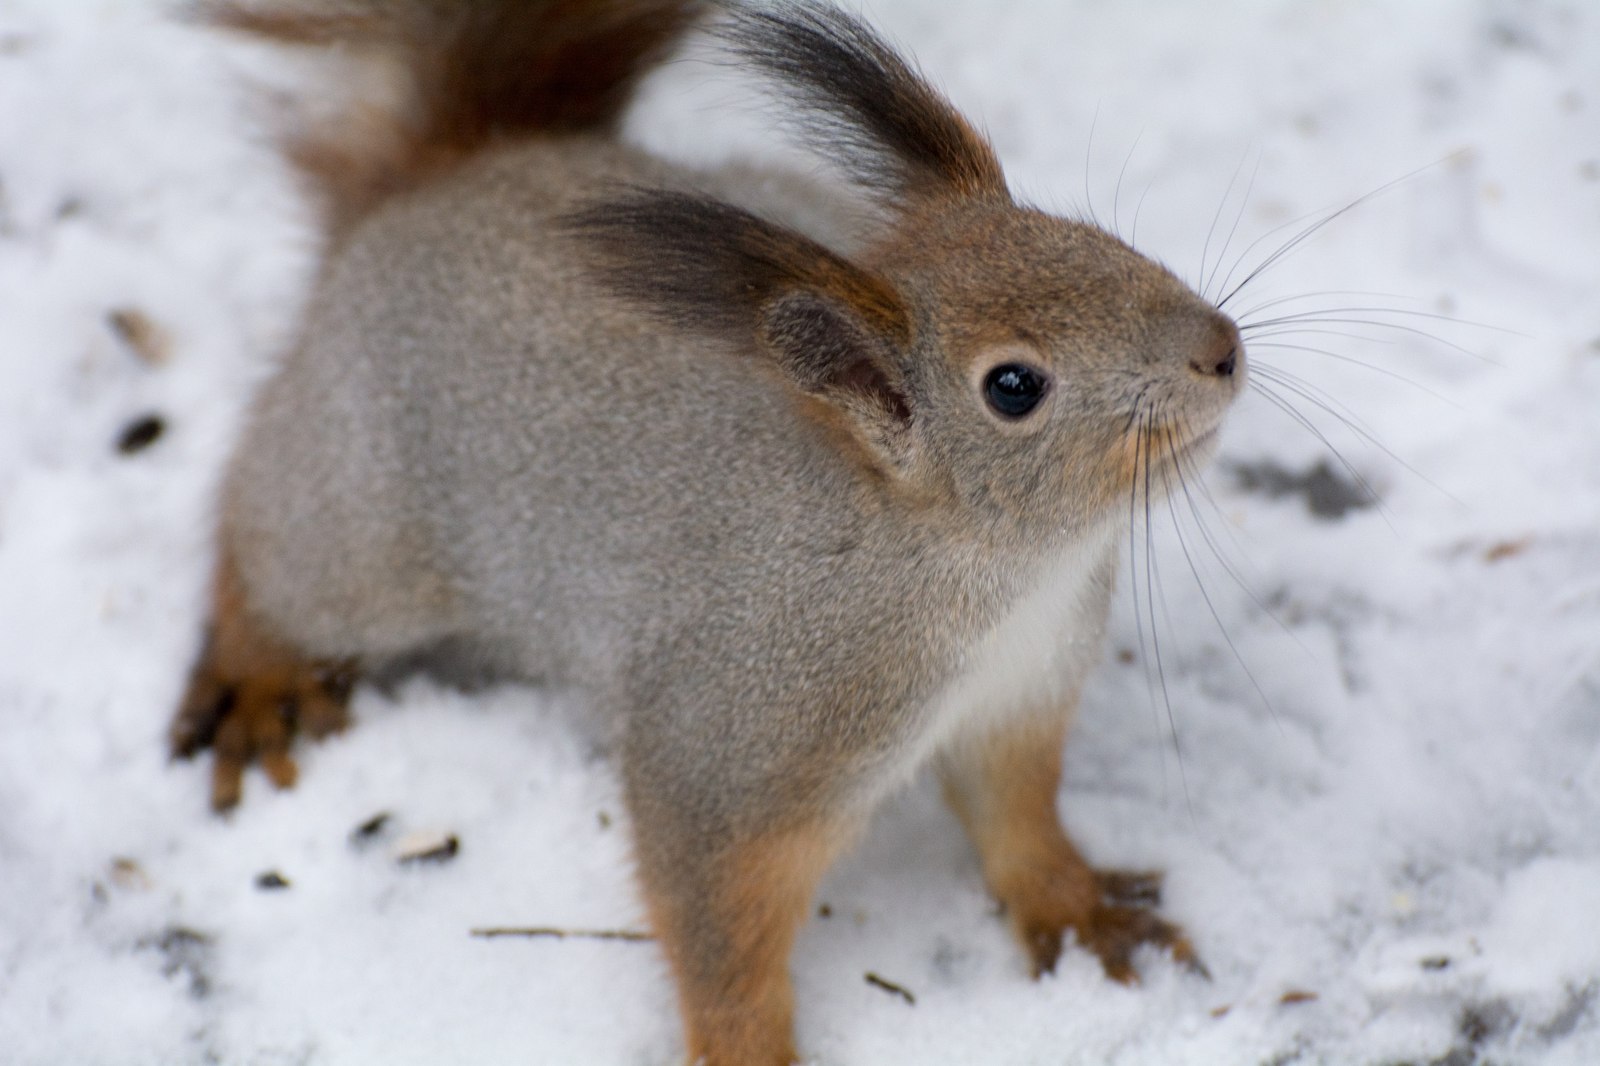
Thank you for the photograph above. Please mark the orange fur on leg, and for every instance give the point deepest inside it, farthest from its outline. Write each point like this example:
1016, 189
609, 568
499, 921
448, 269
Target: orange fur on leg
1003, 787
727, 929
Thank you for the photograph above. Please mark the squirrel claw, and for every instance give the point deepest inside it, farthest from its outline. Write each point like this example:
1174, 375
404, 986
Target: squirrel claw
1131, 888
204, 705
1113, 929
1115, 933
258, 722
248, 700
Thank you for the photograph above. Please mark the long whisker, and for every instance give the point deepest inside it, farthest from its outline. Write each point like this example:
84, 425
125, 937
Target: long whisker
1309, 231
1321, 220
1259, 332
1150, 579
1244, 202
1194, 476
1133, 237
1320, 397
1367, 309
1140, 457
1257, 344
1312, 428
1088, 164
1133, 416
1284, 380
1200, 584
1343, 316
1279, 301
1116, 194
1205, 249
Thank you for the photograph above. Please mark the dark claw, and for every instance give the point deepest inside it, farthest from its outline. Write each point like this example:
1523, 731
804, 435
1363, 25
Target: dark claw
196, 727
288, 710
1131, 888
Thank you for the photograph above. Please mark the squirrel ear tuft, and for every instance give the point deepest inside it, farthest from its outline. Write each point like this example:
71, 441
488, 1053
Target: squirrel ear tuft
837, 330
864, 105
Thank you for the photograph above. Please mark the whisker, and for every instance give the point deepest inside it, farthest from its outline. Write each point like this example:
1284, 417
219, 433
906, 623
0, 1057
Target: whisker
1150, 578
1292, 330
1205, 249
1140, 461
1244, 202
1256, 344
1275, 332
1328, 403
1312, 428
1279, 301
1088, 164
1310, 394
1371, 309
1397, 327
1200, 584
1197, 477
1116, 194
1133, 237
1138, 400
1309, 231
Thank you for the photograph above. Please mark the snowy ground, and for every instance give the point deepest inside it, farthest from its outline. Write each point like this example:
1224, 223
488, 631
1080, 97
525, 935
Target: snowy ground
1389, 854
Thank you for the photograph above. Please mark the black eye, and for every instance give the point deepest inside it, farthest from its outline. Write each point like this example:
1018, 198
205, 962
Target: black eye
1013, 389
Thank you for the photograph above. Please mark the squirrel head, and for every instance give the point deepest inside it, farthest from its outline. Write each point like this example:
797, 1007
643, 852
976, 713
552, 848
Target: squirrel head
1023, 373
1055, 374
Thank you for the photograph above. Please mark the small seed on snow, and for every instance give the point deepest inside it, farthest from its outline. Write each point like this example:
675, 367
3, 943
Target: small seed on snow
368, 831
126, 873
426, 846
141, 333
140, 434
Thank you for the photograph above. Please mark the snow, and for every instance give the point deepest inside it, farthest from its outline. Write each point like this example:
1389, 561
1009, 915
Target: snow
1379, 821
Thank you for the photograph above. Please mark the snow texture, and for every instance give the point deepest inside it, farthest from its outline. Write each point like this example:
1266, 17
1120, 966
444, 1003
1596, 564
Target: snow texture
1380, 818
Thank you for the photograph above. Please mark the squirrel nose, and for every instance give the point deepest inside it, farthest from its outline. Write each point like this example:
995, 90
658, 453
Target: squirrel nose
1220, 356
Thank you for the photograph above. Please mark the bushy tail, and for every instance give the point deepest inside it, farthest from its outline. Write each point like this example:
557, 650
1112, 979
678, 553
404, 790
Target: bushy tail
463, 73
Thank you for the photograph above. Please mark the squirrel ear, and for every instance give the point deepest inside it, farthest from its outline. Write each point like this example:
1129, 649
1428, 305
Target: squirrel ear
837, 330
830, 352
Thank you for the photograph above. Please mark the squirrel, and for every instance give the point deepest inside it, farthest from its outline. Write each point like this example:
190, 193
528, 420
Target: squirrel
803, 521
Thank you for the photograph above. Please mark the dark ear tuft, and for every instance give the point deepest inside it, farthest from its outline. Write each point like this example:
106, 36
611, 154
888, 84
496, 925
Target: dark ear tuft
863, 103
708, 267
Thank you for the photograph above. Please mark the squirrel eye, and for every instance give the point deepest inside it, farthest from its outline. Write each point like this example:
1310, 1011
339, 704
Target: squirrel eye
1013, 389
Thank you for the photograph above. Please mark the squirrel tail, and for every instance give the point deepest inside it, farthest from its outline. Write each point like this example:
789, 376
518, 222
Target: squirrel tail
458, 74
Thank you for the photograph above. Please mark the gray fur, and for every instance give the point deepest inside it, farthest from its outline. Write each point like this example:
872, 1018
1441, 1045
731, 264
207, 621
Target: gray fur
474, 442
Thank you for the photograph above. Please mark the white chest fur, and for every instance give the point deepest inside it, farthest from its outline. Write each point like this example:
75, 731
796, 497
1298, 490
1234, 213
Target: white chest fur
1033, 659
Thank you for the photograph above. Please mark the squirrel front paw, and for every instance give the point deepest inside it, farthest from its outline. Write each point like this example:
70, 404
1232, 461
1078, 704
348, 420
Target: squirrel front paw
1113, 927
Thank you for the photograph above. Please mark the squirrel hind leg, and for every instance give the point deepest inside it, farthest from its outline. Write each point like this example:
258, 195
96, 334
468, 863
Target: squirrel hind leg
249, 696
